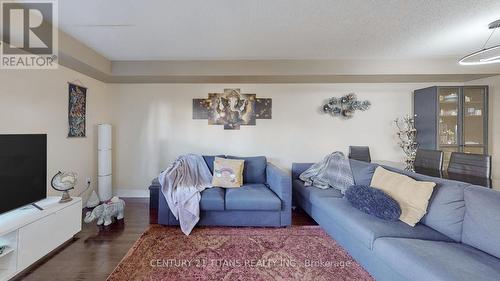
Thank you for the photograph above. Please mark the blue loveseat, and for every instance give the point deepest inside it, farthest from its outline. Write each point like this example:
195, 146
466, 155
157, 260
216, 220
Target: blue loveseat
458, 238
265, 199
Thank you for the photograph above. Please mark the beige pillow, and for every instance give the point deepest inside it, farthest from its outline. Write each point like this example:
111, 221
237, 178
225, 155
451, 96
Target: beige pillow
228, 172
413, 196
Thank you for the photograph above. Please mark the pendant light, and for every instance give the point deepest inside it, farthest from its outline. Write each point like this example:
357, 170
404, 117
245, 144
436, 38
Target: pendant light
485, 55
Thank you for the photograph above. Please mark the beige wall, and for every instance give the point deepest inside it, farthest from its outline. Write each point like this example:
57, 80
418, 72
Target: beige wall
153, 124
36, 101
494, 120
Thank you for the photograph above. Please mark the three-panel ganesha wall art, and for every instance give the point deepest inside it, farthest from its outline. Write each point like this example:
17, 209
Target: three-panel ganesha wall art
232, 109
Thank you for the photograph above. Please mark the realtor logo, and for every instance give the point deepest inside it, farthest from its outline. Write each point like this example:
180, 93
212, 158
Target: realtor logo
29, 35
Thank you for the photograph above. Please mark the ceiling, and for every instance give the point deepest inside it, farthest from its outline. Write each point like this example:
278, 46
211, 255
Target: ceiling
279, 29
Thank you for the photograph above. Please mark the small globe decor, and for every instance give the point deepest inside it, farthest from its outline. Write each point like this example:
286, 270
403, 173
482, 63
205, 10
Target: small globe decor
64, 182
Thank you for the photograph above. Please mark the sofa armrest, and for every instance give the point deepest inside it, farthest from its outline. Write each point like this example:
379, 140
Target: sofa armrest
154, 192
299, 168
280, 183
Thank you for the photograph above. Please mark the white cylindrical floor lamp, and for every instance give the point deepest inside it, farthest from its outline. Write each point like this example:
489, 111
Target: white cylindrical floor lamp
104, 162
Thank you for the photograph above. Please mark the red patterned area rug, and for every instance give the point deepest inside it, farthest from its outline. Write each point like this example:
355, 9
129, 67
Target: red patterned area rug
246, 253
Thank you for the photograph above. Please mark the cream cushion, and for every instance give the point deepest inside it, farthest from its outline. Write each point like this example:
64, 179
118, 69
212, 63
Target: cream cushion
413, 196
228, 172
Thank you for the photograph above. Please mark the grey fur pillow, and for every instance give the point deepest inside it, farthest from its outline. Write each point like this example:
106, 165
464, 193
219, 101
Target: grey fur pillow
374, 202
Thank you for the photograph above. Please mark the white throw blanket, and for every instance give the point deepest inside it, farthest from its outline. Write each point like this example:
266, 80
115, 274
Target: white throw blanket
181, 185
333, 171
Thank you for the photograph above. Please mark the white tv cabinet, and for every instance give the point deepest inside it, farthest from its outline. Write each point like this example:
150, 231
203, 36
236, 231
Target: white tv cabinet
30, 233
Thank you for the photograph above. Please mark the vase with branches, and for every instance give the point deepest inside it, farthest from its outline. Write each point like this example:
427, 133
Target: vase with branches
407, 134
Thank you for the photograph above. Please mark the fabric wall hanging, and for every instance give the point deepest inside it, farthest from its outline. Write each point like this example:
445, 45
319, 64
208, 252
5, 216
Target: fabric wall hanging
345, 106
232, 109
77, 110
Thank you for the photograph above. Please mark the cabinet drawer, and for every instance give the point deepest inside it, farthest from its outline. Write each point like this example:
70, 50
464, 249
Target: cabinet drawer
41, 237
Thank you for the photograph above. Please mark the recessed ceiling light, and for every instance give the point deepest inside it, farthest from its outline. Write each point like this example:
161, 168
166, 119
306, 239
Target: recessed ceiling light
485, 55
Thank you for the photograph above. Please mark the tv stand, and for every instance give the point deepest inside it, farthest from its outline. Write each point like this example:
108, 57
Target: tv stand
30, 233
36, 206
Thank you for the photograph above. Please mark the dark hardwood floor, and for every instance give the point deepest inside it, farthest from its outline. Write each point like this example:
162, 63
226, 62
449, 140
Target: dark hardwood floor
95, 251
300, 217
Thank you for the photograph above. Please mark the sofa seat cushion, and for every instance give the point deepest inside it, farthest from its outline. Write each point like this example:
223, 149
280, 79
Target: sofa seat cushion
212, 199
254, 197
436, 260
367, 228
312, 193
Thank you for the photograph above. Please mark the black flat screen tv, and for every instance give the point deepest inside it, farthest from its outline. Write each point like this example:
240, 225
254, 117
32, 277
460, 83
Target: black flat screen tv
23, 170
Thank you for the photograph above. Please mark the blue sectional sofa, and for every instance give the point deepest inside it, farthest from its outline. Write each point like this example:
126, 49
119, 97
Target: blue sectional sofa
458, 238
265, 199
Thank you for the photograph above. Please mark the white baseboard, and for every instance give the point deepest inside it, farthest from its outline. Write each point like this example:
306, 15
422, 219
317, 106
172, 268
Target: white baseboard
127, 192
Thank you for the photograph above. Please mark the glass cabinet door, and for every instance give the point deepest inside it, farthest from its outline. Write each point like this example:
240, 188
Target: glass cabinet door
474, 120
449, 116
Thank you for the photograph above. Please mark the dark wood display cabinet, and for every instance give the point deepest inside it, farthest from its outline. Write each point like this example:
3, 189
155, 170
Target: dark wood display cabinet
452, 119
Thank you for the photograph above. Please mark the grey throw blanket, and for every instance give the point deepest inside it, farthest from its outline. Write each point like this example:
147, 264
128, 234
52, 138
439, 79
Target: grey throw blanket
333, 171
181, 185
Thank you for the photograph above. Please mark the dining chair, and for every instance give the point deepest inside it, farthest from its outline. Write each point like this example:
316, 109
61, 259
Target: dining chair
429, 159
477, 165
361, 153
